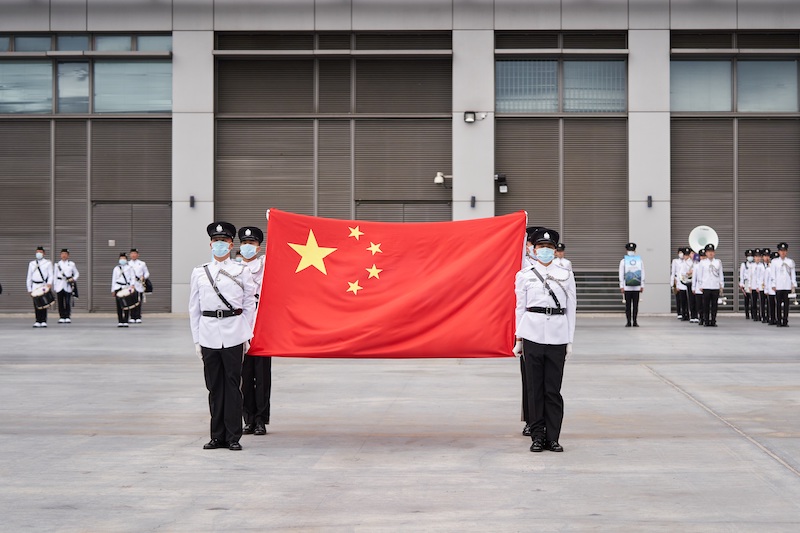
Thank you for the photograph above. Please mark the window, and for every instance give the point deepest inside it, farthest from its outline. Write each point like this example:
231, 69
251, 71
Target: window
26, 87
72, 42
154, 43
132, 86
700, 85
594, 86
767, 86
4, 42
73, 87
112, 43
32, 43
524, 86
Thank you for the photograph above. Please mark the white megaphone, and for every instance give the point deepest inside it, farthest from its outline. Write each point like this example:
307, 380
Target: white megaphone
701, 236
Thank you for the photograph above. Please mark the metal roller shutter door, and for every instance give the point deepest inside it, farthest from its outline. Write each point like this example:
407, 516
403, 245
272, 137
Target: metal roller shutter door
265, 86
110, 222
334, 168
151, 226
404, 86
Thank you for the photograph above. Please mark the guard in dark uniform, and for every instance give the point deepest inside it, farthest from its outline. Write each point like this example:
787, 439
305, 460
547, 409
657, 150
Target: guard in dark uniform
222, 308
256, 370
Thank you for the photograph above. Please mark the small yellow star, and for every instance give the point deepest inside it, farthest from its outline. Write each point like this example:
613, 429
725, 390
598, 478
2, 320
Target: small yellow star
374, 271
354, 287
311, 254
355, 232
374, 248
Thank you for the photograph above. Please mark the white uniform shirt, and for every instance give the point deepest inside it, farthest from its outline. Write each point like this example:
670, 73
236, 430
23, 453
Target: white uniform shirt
121, 277
63, 271
213, 332
675, 272
698, 273
683, 276
35, 278
769, 280
622, 277
538, 327
784, 275
744, 276
563, 263
256, 267
711, 275
756, 273
140, 273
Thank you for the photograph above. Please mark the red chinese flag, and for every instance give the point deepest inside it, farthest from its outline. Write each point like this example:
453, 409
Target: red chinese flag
339, 288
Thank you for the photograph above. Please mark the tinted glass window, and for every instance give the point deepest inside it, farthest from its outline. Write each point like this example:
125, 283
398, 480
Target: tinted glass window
700, 86
4, 42
112, 43
767, 86
73, 87
154, 43
524, 86
32, 43
26, 87
72, 42
132, 86
594, 86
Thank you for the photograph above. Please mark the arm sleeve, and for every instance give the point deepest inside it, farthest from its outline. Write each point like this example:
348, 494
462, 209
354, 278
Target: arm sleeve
75, 273
721, 277
520, 291
113, 280
249, 299
642, 287
572, 306
29, 279
48, 271
622, 274
194, 306
145, 270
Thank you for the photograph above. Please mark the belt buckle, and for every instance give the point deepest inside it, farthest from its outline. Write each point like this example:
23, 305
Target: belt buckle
548, 311
219, 313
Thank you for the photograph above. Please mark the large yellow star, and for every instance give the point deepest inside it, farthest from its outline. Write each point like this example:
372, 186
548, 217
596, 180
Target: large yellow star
311, 254
374, 248
354, 287
374, 271
355, 232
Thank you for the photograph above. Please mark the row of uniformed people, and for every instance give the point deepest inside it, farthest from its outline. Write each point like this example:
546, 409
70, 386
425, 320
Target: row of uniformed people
44, 278
128, 284
698, 282
222, 308
766, 280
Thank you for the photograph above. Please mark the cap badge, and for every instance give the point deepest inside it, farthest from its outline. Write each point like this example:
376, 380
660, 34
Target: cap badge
247, 232
219, 227
546, 235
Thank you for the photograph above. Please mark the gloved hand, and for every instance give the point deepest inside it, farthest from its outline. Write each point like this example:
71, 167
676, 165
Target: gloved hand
198, 351
518, 349
569, 351
246, 346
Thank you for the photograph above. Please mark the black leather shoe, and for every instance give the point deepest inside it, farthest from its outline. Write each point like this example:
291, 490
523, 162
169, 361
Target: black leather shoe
636, 324
628, 325
235, 446
260, 430
247, 429
554, 446
213, 444
538, 444
526, 431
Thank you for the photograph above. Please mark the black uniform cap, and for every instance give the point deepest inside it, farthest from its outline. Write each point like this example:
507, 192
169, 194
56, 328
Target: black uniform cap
134, 250
757, 251
766, 251
687, 250
702, 252
783, 246
529, 231
252, 233
225, 229
544, 235
65, 250
560, 247
775, 255
710, 248
123, 254
748, 253
631, 246
40, 248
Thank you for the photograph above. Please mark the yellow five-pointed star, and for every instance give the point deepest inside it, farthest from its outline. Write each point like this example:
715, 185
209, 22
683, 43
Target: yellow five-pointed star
354, 287
374, 248
374, 271
355, 232
311, 254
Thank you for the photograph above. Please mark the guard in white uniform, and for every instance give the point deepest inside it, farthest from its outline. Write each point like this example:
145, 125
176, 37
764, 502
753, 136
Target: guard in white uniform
631, 283
711, 283
121, 282
140, 275
560, 260
674, 274
256, 370
766, 254
222, 305
769, 288
40, 274
545, 318
686, 276
756, 285
744, 281
785, 278
698, 290
66, 274
528, 260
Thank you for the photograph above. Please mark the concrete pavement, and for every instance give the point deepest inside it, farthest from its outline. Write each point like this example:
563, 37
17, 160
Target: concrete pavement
668, 427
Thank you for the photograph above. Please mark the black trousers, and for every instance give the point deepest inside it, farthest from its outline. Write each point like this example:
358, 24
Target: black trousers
256, 388
782, 307
764, 307
64, 304
698, 304
41, 314
223, 372
683, 305
693, 312
544, 370
746, 304
632, 305
755, 306
710, 305
772, 304
526, 417
122, 314
136, 312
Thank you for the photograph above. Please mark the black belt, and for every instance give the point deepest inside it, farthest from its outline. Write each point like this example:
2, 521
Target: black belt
223, 313
547, 310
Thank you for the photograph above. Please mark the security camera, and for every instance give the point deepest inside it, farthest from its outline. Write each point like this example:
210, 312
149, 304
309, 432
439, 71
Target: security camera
438, 179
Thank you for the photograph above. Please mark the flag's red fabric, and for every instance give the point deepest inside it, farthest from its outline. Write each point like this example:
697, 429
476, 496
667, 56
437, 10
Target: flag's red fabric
339, 288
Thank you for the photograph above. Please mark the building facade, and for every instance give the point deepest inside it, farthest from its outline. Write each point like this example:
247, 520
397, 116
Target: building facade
134, 123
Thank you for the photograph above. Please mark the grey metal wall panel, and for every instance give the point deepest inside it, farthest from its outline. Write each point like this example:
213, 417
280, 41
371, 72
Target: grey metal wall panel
769, 184
265, 86
526, 151
397, 159
691, 14
527, 15
334, 86
110, 222
130, 15
334, 170
333, 15
379, 212
24, 204
427, 212
24, 15
131, 160
394, 15
404, 86
473, 15
262, 164
72, 200
193, 14
595, 192
594, 14
702, 181
772, 14
293, 15
648, 14
150, 223
67, 15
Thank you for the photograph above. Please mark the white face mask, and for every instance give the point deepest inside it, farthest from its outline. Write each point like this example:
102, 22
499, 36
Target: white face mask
631, 252
680, 255
750, 259
39, 255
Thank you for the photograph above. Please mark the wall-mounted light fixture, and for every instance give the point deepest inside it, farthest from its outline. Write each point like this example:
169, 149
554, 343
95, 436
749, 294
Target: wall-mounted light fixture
469, 117
191, 201
649, 201
472, 201
502, 183
439, 179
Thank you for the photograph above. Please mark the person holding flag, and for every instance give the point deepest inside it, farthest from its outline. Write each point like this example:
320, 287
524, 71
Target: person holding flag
631, 283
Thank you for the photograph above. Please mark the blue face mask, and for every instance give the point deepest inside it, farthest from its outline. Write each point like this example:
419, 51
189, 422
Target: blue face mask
39, 255
123, 262
248, 250
220, 248
545, 255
